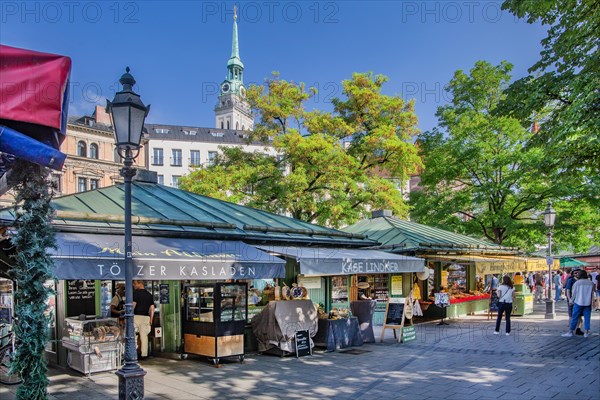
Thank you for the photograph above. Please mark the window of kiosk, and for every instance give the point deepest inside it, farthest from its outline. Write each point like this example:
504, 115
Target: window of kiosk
233, 303
339, 291
200, 304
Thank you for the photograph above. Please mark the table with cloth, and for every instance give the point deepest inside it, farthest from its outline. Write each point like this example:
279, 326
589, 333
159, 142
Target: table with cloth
338, 333
363, 310
276, 325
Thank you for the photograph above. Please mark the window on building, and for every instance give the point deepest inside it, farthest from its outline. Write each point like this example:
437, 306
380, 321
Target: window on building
237, 126
94, 184
243, 128
157, 156
176, 157
162, 130
227, 124
194, 157
57, 182
81, 184
94, 151
189, 132
218, 134
212, 157
175, 181
81, 149
160, 179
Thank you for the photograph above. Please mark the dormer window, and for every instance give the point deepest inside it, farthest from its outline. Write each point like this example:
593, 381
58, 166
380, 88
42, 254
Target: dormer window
189, 132
162, 130
219, 134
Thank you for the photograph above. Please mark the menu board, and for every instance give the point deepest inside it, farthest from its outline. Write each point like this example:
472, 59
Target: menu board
394, 313
81, 298
303, 343
396, 285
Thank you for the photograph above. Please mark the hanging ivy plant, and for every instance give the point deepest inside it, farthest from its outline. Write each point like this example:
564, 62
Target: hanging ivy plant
32, 268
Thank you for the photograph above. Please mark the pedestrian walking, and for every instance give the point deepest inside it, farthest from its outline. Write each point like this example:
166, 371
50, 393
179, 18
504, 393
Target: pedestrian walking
539, 287
143, 310
530, 282
506, 296
582, 296
557, 285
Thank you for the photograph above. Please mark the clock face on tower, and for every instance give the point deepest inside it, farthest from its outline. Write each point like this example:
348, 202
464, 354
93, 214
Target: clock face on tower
225, 87
243, 91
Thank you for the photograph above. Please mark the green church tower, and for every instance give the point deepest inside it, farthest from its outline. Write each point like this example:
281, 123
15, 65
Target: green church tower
232, 110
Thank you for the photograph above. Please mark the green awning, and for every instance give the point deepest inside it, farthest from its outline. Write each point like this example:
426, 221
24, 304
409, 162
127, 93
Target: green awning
567, 262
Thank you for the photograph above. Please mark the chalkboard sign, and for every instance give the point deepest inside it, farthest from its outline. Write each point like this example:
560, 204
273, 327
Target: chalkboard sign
409, 333
303, 344
394, 314
81, 298
164, 293
494, 300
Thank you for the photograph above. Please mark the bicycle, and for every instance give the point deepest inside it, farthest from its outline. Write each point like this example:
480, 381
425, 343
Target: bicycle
7, 355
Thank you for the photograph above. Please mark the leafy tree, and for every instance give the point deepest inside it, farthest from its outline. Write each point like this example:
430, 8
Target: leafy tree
480, 176
563, 88
330, 167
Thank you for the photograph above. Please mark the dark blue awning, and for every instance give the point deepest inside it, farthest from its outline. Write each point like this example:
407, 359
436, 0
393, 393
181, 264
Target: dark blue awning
95, 256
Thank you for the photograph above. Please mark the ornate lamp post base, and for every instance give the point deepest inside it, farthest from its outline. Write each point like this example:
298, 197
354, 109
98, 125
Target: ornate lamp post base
550, 309
131, 384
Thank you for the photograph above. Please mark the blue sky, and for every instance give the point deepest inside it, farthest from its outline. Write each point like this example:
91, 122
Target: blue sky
178, 51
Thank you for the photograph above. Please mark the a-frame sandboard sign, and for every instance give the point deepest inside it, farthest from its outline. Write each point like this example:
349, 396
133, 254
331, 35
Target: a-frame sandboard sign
397, 311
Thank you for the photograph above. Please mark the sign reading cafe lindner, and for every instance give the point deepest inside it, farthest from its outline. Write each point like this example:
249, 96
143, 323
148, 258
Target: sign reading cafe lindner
100, 257
349, 266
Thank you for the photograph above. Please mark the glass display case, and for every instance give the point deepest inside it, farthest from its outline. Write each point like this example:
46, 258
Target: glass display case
214, 319
92, 345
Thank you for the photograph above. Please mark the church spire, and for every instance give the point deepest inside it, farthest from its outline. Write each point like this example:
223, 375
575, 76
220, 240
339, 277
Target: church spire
235, 50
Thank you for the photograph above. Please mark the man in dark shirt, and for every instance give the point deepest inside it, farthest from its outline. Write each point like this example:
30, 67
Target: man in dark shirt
143, 310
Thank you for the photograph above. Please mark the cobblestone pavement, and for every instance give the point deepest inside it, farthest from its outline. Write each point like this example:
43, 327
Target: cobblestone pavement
463, 360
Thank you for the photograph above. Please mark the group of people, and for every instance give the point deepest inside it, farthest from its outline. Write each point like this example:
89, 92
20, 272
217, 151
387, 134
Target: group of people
143, 310
582, 291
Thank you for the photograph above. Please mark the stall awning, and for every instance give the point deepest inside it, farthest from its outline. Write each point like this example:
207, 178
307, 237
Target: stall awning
495, 264
92, 256
320, 261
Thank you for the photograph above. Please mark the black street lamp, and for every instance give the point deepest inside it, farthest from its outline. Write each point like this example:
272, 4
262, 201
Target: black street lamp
127, 114
549, 218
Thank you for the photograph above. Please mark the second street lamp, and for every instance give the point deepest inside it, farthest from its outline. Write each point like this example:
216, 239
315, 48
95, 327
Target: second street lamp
127, 114
549, 219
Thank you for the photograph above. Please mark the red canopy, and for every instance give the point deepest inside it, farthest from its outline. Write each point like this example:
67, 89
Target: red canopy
34, 87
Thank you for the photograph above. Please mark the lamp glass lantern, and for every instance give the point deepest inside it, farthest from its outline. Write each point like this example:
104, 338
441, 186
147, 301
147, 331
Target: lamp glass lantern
549, 216
127, 113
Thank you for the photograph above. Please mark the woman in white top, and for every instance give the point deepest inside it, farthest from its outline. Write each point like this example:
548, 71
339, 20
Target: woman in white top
506, 295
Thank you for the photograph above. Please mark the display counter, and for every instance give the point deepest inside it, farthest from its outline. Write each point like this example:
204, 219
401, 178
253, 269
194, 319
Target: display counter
214, 320
459, 307
92, 345
339, 333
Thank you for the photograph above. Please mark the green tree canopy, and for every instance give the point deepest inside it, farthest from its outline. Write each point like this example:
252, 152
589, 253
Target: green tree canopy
562, 91
326, 167
480, 176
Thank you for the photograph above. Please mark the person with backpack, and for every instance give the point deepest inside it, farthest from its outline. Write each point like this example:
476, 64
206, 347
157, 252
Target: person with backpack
539, 287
